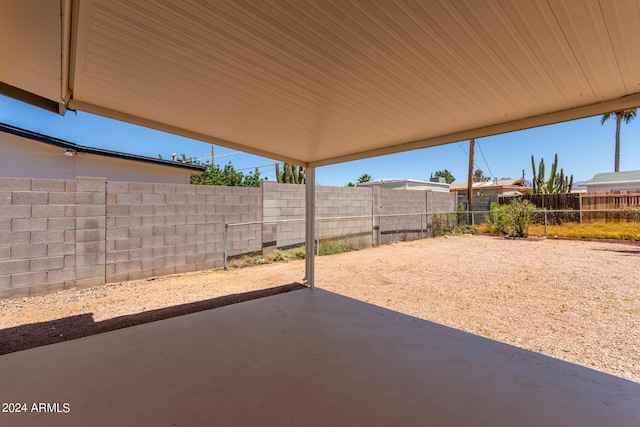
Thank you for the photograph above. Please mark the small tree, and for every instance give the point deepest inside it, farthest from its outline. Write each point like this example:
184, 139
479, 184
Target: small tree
227, 176
479, 176
363, 178
448, 176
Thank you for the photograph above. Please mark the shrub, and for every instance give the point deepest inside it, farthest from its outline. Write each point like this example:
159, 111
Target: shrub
443, 223
452, 223
332, 246
513, 219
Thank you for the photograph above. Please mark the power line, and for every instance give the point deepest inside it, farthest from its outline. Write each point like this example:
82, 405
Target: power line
227, 154
485, 160
467, 154
253, 167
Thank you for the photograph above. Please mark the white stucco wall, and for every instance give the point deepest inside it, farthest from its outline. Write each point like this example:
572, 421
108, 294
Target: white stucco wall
612, 186
23, 158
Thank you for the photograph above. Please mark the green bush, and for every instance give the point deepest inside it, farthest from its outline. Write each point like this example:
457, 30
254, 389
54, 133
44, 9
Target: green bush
332, 246
452, 223
512, 219
443, 223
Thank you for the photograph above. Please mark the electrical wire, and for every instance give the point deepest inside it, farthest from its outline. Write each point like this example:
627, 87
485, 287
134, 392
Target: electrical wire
485, 160
467, 154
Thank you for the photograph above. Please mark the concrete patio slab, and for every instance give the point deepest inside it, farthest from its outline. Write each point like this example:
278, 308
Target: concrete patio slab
304, 358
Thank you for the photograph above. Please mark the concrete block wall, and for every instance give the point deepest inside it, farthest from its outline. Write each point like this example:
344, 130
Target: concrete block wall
59, 234
401, 228
345, 202
159, 229
283, 202
438, 203
287, 201
90, 251
37, 236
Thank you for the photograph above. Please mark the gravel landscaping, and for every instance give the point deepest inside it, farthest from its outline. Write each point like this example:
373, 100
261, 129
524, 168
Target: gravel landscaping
572, 300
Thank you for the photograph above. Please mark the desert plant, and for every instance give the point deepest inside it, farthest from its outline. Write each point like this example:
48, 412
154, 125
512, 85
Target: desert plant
290, 174
557, 182
513, 219
442, 223
334, 245
451, 223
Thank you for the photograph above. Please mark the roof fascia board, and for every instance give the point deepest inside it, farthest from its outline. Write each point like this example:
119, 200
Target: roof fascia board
34, 136
29, 98
625, 102
141, 121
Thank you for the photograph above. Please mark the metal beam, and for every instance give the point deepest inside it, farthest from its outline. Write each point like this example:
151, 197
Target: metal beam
31, 98
618, 104
310, 206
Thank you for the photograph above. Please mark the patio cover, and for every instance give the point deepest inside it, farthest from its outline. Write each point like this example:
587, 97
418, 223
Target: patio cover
318, 82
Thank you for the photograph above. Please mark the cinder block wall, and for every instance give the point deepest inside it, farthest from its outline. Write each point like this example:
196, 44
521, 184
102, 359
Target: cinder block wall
341, 202
282, 202
60, 234
287, 201
402, 228
158, 229
438, 203
37, 236
441, 202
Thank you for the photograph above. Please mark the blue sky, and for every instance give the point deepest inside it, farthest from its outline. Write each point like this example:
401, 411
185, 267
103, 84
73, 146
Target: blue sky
584, 147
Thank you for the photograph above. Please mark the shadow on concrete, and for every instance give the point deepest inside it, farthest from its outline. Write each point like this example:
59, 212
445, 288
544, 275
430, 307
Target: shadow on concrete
32, 335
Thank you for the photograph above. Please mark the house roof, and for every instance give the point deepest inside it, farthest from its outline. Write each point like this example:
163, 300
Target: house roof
315, 82
615, 177
403, 181
490, 184
33, 136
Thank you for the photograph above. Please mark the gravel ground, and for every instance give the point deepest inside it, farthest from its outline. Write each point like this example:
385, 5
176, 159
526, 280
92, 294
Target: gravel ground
572, 300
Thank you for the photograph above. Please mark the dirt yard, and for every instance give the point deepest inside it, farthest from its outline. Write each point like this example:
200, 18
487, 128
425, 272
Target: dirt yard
576, 301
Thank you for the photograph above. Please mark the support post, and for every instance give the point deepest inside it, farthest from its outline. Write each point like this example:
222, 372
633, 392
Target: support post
580, 195
226, 232
310, 221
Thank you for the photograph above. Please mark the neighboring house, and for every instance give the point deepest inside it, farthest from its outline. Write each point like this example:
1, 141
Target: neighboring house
579, 187
614, 181
408, 184
26, 154
502, 187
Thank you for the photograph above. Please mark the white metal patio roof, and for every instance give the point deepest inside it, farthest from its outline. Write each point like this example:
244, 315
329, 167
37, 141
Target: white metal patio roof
317, 82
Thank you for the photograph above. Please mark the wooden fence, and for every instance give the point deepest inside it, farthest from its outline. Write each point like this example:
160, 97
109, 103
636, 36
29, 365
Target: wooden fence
548, 201
613, 206
611, 200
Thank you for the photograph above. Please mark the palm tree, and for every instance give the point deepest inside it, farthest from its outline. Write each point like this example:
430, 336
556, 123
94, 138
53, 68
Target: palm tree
627, 116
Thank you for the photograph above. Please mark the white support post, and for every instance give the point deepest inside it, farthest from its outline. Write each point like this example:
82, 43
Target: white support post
310, 206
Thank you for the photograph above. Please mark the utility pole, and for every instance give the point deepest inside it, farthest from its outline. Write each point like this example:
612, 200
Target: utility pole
212, 163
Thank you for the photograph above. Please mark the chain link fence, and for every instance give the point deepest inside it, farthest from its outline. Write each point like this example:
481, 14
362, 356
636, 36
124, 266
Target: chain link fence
613, 224
333, 234
346, 233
